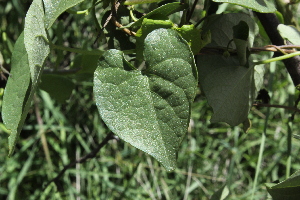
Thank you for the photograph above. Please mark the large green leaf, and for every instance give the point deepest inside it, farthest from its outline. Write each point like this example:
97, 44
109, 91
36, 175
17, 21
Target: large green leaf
35, 39
149, 109
288, 189
229, 88
290, 33
14, 97
263, 6
53, 8
221, 28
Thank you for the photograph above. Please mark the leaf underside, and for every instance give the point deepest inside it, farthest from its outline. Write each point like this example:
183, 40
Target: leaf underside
150, 109
33, 51
290, 33
53, 8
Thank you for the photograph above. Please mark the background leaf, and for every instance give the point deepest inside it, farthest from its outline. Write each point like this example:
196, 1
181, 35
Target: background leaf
290, 33
15, 97
288, 189
149, 111
263, 6
59, 87
53, 8
87, 65
229, 88
221, 28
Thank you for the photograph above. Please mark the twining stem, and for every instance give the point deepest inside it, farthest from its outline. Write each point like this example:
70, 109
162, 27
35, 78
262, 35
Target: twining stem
131, 13
279, 58
284, 49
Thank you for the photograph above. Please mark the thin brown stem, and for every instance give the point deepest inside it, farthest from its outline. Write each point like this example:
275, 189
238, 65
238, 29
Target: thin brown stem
116, 23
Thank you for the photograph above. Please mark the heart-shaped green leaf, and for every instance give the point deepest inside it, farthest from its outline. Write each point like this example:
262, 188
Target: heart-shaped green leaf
149, 109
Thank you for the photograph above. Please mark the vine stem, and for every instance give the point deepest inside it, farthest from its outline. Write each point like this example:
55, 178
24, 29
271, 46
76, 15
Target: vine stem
279, 58
131, 9
284, 49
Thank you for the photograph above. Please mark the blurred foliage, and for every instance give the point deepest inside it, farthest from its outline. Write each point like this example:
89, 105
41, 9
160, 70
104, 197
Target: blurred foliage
211, 154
